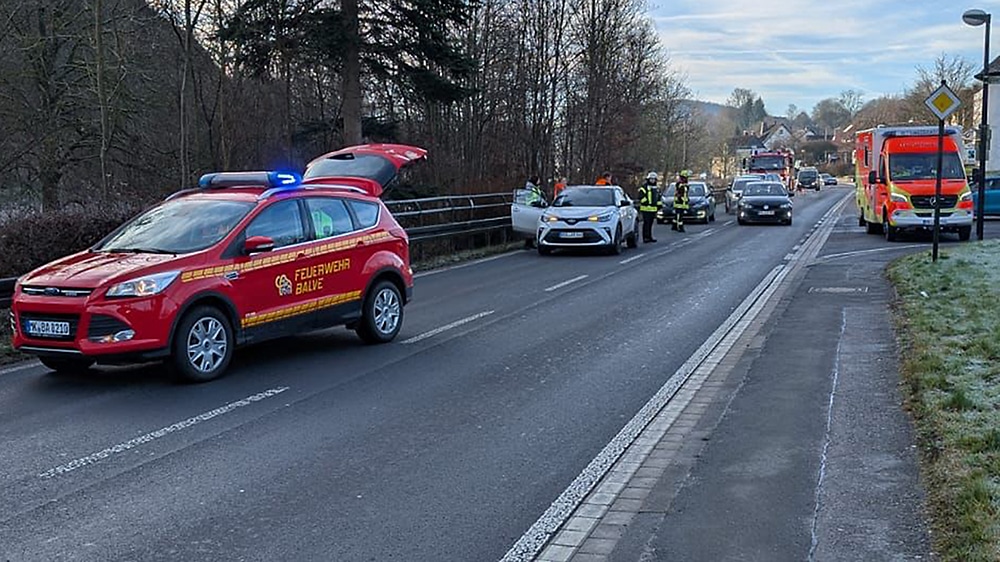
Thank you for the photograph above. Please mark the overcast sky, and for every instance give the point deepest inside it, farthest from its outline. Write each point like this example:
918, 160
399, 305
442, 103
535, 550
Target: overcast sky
801, 51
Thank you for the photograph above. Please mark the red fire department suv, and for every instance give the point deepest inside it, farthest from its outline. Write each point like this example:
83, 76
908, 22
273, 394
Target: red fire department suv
245, 257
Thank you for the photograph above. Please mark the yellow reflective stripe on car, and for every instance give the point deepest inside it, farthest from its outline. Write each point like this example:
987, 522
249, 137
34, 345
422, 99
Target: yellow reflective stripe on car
269, 260
296, 309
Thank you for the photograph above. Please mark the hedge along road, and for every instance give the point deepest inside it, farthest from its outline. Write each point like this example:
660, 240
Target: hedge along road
445, 448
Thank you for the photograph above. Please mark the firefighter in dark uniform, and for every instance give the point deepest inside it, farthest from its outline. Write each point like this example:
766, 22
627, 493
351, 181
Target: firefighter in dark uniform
649, 203
681, 200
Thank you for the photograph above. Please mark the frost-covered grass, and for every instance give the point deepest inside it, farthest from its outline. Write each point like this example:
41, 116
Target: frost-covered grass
948, 315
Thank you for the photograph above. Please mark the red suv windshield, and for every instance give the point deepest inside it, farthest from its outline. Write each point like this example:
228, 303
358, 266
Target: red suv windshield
177, 227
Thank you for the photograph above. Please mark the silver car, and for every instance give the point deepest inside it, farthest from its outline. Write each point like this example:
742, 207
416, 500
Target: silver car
736, 190
589, 216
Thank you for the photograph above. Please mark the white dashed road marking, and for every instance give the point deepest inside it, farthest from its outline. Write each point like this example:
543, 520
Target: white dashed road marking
632, 259
162, 432
564, 283
447, 327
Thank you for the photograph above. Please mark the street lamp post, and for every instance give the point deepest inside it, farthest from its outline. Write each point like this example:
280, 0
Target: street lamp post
976, 18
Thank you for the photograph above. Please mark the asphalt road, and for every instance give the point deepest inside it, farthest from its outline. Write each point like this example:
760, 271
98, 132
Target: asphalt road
509, 376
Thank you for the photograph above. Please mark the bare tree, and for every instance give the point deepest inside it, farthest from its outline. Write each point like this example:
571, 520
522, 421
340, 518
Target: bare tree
957, 73
852, 101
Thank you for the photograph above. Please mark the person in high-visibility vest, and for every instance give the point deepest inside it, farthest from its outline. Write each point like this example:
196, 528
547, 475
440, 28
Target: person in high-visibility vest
534, 195
649, 203
681, 200
323, 224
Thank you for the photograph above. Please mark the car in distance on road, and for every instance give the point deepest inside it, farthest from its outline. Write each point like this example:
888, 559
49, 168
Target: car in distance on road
701, 204
828, 179
735, 190
246, 257
765, 202
808, 178
589, 217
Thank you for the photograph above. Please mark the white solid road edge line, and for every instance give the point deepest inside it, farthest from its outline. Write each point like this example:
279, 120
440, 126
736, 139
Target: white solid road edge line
23, 367
467, 264
567, 282
162, 432
536, 537
447, 327
532, 541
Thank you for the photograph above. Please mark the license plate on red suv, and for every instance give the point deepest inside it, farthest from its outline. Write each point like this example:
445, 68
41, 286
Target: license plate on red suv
47, 328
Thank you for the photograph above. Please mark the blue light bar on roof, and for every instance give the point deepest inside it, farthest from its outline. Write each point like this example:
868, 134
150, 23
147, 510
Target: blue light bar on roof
249, 179
919, 132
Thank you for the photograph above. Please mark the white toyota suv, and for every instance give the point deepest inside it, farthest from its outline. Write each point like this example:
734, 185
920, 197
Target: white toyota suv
589, 216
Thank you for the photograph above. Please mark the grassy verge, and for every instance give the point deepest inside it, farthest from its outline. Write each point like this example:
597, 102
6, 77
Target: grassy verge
948, 318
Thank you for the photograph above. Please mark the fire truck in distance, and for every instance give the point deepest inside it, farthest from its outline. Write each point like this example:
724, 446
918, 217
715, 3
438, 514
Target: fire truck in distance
896, 174
781, 162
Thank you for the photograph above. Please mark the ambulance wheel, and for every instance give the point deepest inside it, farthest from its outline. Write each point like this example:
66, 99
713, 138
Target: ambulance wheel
891, 232
202, 346
381, 314
67, 364
964, 233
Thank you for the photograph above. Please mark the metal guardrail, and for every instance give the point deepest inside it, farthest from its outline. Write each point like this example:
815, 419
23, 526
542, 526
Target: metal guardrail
423, 219
437, 217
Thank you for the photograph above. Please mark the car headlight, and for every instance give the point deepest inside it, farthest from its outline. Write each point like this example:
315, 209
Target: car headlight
967, 196
601, 218
786, 205
897, 197
550, 218
143, 286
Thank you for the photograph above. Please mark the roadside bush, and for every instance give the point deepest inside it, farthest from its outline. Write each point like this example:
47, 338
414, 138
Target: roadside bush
36, 238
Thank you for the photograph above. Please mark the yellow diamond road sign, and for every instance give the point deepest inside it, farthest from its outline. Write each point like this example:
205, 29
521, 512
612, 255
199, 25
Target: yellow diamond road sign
942, 102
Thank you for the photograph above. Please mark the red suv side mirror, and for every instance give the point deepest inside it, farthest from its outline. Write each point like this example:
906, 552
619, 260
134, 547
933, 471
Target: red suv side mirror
256, 244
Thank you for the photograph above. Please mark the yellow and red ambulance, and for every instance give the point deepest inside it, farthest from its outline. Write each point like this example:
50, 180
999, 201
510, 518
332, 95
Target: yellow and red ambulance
896, 174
